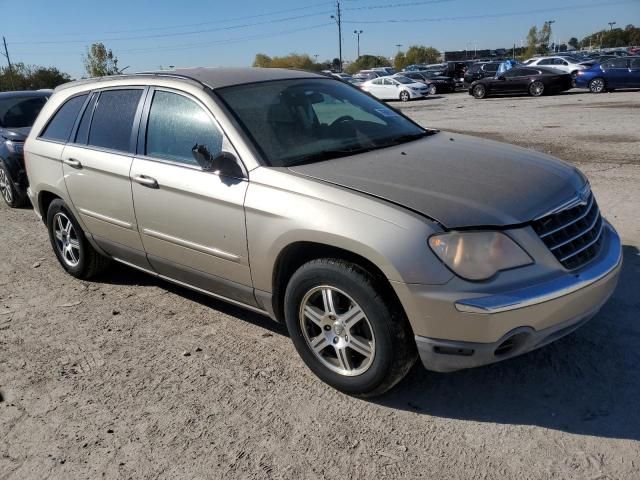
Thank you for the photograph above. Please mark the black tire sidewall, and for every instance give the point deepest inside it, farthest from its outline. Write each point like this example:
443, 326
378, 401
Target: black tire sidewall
79, 270
531, 92
474, 90
315, 274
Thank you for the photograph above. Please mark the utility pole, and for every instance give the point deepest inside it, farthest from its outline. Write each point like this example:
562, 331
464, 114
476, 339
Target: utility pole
338, 18
6, 54
358, 33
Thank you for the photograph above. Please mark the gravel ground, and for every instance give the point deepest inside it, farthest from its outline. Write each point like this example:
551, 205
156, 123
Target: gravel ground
129, 377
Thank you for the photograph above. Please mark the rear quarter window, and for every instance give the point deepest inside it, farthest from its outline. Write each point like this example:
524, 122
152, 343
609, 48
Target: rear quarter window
60, 126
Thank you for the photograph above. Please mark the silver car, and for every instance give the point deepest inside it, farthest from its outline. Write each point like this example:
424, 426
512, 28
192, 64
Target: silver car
303, 198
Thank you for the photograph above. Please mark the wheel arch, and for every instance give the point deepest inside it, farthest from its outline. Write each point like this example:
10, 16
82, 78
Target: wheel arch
296, 254
45, 197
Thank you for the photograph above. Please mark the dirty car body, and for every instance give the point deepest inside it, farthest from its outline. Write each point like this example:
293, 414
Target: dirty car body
373, 238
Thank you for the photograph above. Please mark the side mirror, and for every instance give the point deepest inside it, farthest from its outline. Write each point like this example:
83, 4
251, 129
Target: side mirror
225, 163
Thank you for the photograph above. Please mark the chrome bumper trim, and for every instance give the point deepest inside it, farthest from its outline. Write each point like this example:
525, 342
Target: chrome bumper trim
557, 288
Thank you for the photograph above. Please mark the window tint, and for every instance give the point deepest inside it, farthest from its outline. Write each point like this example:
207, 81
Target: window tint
491, 67
83, 129
559, 61
61, 124
113, 119
176, 124
635, 63
616, 63
546, 61
17, 112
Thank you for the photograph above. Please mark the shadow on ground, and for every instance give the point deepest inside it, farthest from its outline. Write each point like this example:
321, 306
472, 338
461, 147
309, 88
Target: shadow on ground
586, 383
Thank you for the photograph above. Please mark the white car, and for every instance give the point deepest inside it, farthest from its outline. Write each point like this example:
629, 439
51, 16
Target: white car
395, 88
564, 64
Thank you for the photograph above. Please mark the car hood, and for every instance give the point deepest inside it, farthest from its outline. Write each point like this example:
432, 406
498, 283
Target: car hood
457, 180
15, 134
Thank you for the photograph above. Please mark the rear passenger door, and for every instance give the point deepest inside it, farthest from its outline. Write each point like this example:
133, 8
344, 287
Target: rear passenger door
634, 72
191, 221
616, 72
96, 165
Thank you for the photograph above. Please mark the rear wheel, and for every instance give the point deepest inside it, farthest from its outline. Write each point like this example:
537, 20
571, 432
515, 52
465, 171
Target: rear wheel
345, 330
404, 96
597, 85
536, 89
8, 190
479, 91
74, 252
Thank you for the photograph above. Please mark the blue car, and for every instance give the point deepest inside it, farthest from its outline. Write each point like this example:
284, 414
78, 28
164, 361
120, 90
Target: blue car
622, 72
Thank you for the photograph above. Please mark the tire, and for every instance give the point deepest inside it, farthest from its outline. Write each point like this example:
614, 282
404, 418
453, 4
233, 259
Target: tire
74, 252
10, 194
433, 90
479, 91
342, 361
404, 96
536, 89
597, 85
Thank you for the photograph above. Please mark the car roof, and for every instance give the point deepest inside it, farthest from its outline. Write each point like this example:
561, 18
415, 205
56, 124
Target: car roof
213, 78
26, 93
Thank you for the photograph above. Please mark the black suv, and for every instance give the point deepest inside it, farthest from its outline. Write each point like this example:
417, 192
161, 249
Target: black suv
18, 111
481, 70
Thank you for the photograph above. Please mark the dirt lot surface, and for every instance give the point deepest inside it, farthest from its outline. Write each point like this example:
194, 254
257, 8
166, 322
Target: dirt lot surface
129, 377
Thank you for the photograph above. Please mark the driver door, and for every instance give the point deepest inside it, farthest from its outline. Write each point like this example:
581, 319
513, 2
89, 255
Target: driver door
191, 221
390, 88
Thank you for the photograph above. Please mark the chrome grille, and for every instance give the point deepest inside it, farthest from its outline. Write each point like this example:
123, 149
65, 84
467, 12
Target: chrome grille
573, 235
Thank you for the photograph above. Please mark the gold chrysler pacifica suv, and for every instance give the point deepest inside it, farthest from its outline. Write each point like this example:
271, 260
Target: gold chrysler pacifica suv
301, 197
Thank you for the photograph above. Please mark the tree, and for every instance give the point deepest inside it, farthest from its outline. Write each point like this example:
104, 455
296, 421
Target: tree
100, 62
416, 54
573, 41
293, 60
367, 61
31, 77
532, 42
544, 37
262, 60
400, 61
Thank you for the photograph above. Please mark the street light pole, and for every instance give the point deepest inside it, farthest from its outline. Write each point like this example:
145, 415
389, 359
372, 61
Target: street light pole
338, 18
611, 24
358, 33
549, 22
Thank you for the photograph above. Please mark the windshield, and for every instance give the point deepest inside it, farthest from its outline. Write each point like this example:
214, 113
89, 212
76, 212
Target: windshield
19, 112
403, 80
298, 121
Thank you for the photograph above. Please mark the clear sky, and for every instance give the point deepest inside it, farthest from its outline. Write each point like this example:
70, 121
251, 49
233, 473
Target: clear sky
148, 34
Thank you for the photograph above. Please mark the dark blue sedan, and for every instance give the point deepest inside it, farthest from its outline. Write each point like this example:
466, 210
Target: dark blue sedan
614, 73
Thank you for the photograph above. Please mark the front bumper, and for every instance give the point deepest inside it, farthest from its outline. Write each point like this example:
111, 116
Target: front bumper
489, 328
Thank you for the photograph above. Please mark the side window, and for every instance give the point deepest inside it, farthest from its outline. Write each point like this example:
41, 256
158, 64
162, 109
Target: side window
377, 81
113, 119
60, 126
82, 135
635, 63
388, 81
546, 61
491, 67
176, 124
616, 63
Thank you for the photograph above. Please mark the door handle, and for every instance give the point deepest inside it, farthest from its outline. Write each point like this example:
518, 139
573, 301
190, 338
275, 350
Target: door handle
146, 181
72, 162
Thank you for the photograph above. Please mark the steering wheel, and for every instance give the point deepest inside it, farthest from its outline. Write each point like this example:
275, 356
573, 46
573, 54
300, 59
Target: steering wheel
344, 118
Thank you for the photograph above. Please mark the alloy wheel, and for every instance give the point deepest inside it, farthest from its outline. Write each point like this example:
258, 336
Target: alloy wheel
66, 239
597, 85
5, 187
536, 88
404, 96
479, 91
337, 331
432, 89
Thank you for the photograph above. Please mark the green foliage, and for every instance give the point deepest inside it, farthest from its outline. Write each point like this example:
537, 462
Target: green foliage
31, 77
532, 42
367, 61
416, 54
573, 41
100, 62
293, 60
617, 37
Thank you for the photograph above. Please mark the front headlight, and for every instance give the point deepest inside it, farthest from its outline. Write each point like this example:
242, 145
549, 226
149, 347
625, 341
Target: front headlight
478, 255
15, 147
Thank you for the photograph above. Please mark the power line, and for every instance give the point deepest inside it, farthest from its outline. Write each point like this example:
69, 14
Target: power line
495, 15
325, 3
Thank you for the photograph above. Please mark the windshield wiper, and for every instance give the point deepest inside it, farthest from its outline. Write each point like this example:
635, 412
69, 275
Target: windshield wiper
328, 155
409, 137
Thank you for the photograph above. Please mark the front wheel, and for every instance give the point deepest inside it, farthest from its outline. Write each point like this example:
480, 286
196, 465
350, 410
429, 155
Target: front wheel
433, 89
536, 89
8, 190
597, 85
74, 252
346, 330
404, 96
